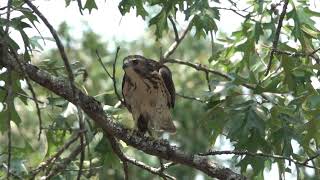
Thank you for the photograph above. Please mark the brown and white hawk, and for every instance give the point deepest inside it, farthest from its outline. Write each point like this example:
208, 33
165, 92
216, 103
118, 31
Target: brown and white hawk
149, 94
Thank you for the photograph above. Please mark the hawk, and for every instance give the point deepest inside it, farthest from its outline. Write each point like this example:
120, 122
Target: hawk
149, 94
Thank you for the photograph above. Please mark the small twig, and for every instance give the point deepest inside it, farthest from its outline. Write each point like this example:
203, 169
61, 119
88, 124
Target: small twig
114, 76
201, 67
191, 98
103, 66
277, 35
8, 18
299, 54
198, 67
176, 35
3, 8
27, 78
311, 158
54, 157
174, 45
292, 54
208, 81
313, 52
82, 142
80, 6
257, 155
10, 108
236, 11
37, 105
125, 159
65, 162
9, 98
212, 43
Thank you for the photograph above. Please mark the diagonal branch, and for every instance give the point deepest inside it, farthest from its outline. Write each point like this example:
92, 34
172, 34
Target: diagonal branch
54, 157
178, 40
176, 35
277, 35
125, 159
113, 76
94, 110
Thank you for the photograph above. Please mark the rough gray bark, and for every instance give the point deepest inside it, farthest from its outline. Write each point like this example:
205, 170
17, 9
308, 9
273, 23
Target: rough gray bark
94, 110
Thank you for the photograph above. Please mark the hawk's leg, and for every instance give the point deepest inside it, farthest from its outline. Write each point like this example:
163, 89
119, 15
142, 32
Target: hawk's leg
142, 124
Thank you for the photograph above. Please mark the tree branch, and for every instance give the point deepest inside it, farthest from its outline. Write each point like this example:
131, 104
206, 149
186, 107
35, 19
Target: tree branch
191, 98
113, 76
259, 155
125, 159
176, 35
54, 157
94, 110
174, 45
277, 35
201, 67
9, 99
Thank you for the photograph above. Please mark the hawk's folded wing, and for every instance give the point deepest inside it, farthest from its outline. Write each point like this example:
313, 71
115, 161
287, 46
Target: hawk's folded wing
167, 78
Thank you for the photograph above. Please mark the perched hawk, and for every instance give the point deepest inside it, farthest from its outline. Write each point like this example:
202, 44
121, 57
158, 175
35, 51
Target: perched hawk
149, 94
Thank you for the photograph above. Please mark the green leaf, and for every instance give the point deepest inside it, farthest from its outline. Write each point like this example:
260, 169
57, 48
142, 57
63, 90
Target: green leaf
68, 2
288, 65
90, 4
126, 5
257, 163
310, 32
312, 102
4, 114
258, 31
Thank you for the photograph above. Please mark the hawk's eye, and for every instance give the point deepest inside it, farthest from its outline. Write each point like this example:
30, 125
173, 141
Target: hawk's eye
135, 62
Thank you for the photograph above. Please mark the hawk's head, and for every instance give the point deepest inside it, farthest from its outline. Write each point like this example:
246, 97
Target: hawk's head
138, 65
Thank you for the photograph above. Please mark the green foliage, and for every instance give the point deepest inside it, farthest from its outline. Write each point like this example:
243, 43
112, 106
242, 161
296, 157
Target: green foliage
254, 112
90, 4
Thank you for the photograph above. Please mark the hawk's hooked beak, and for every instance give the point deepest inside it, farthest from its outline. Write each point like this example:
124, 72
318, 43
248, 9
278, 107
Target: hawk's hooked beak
126, 64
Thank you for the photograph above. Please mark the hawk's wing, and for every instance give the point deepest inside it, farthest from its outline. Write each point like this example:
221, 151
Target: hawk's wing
167, 78
125, 80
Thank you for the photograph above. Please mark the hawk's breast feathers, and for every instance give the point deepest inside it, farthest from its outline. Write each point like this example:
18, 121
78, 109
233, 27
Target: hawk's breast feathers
149, 93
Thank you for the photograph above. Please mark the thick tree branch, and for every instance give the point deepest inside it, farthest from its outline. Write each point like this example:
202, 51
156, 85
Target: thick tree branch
94, 110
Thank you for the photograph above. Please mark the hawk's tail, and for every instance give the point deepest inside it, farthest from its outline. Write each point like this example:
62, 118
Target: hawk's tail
167, 123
